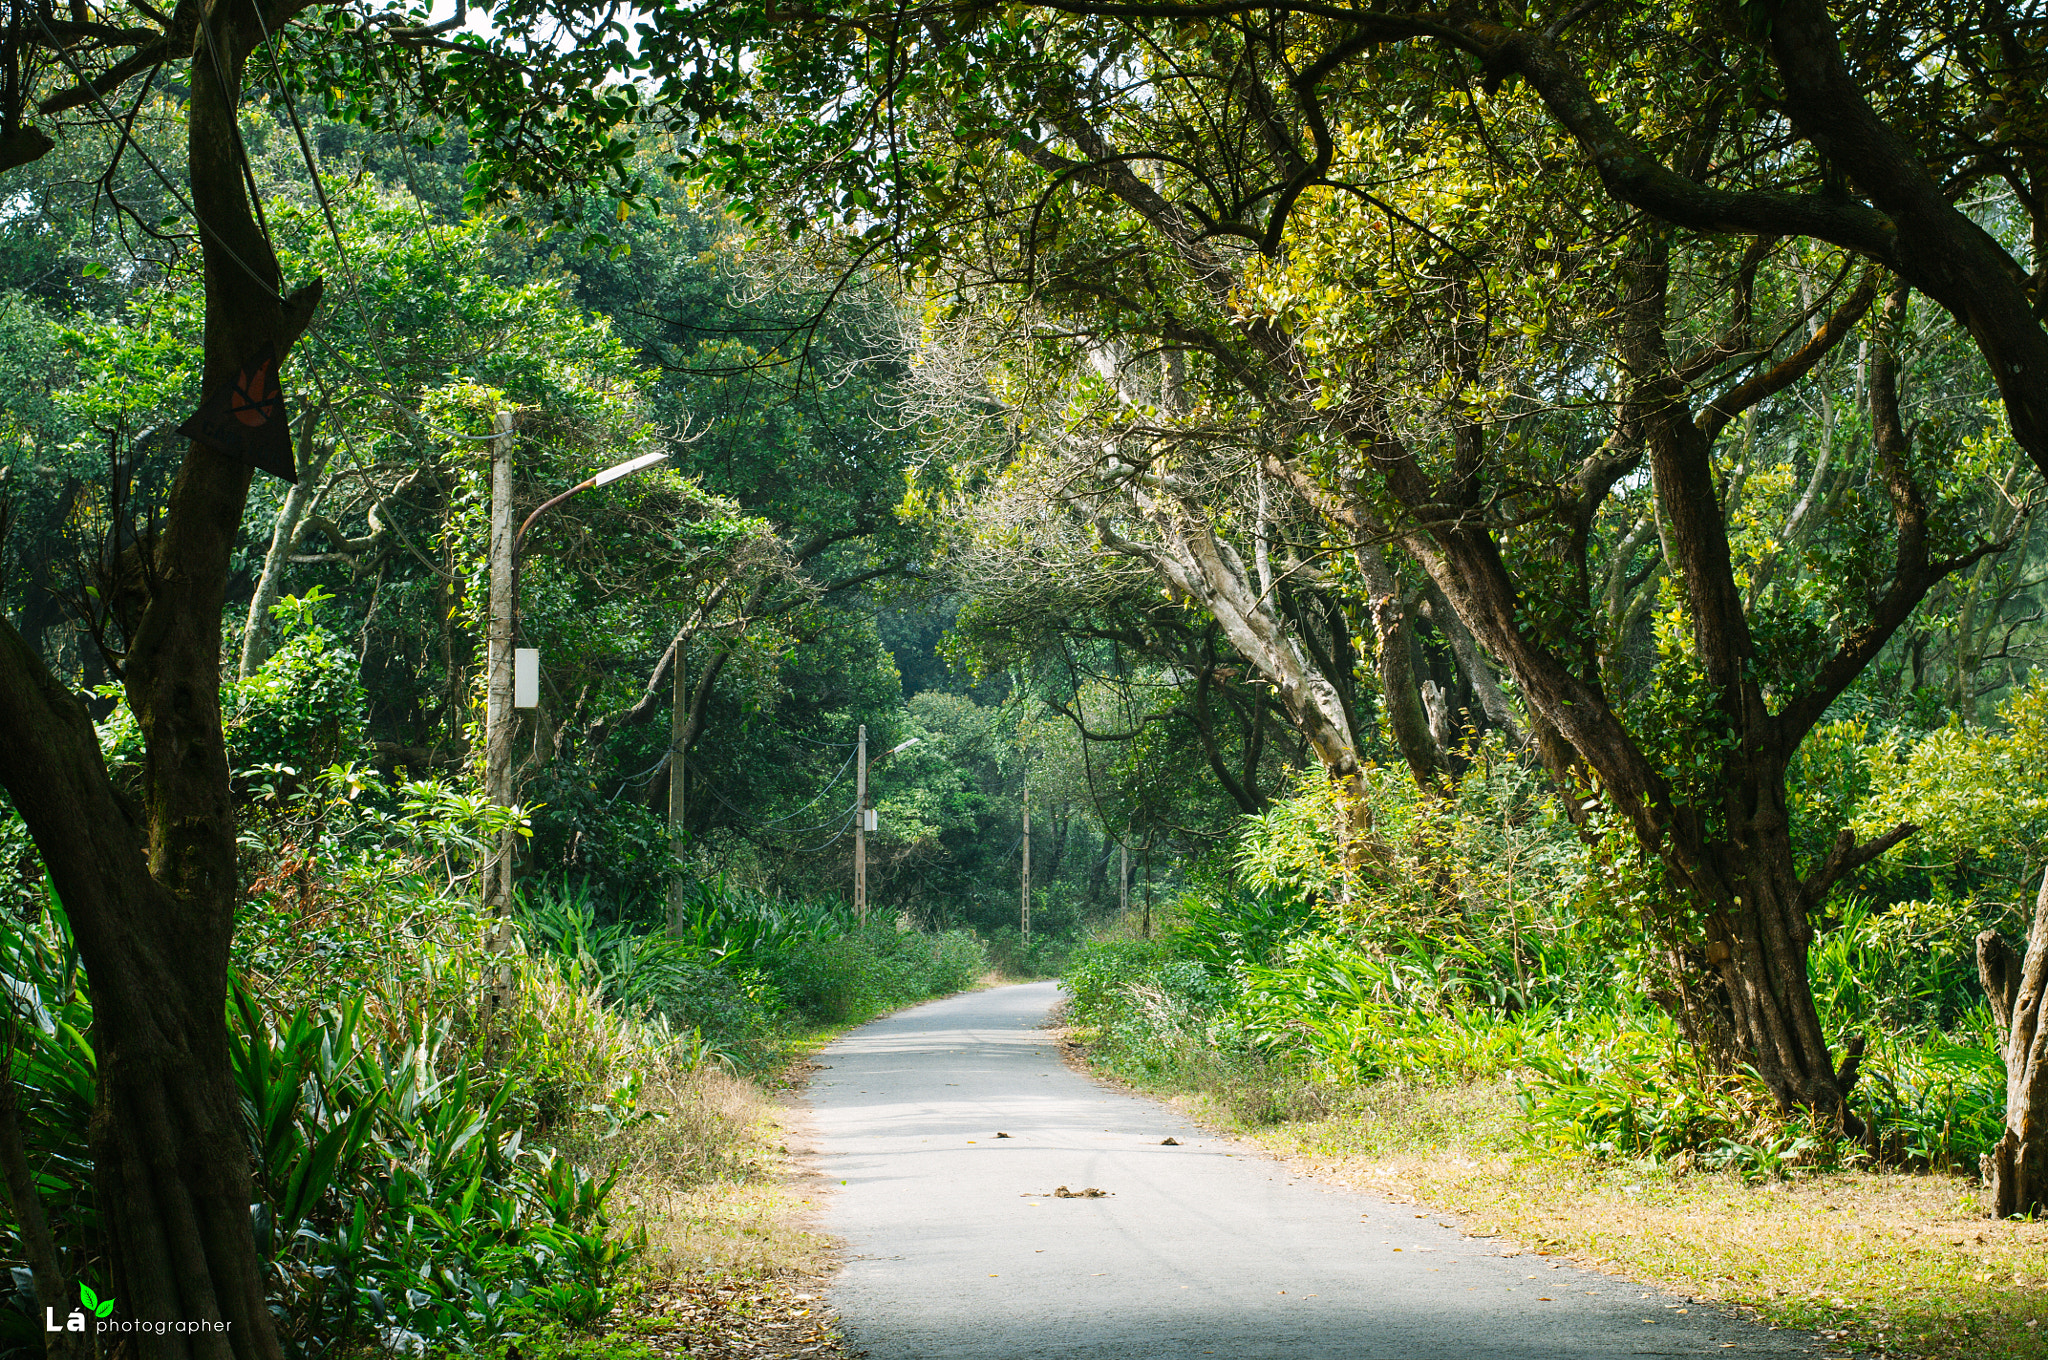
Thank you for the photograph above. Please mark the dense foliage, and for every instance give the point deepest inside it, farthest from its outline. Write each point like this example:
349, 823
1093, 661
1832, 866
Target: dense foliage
1491, 546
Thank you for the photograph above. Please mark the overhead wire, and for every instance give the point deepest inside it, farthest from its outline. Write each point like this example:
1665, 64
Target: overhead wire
291, 109
741, 813
834, 783
212, 232
844, 824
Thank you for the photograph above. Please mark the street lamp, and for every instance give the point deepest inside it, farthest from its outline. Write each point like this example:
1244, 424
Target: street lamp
500, 696
610, 474
864, 819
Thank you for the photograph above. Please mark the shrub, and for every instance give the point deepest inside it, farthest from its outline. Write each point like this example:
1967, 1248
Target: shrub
398, 1198
304, 709
740, 972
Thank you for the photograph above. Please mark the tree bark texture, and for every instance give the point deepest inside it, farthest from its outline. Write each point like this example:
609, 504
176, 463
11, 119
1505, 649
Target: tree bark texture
2016, 1170
151, 889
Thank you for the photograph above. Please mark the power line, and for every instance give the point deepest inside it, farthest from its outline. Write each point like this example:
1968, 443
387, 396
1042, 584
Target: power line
85, 83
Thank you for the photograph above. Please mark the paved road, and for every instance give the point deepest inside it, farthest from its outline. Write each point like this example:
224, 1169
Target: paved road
957, 1250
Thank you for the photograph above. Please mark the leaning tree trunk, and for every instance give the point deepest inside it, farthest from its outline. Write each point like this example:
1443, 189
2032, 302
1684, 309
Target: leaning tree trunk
2016, 1170
1201, 566
257, 633
151, 889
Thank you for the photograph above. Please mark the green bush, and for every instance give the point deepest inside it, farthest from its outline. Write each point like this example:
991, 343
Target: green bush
1101, 973
834, 980
1041, 956
1909, 966
399, 1201
1936, 1100
656, 976
304, 709
741, 972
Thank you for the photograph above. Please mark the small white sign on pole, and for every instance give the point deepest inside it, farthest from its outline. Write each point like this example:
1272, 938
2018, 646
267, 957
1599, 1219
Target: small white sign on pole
525, 677
873, 820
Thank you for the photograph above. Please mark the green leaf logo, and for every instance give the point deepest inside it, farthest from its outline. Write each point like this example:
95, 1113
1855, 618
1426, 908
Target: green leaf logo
93, 1303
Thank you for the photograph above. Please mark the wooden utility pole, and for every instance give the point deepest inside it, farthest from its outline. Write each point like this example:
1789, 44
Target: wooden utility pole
1123, 881
1146, 930
499, 718
860, 826
678, 729
1024, 912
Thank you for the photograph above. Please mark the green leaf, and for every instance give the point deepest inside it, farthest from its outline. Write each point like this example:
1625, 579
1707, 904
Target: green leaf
87, 1297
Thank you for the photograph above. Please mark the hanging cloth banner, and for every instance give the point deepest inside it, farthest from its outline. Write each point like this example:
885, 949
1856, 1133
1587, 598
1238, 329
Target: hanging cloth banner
244, 417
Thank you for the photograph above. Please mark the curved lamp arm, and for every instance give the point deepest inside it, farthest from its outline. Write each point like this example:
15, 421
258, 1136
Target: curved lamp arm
610, 474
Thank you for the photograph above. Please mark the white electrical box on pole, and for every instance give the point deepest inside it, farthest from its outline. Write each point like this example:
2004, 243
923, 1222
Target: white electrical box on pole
860, 826
525, 677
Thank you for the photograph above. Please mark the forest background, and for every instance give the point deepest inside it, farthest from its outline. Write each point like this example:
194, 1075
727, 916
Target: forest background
1463, 617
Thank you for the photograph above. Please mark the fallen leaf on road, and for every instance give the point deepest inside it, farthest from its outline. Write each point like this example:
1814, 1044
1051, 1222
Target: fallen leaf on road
1169, 1142
1090, 1193
1002, 1135
728, 1320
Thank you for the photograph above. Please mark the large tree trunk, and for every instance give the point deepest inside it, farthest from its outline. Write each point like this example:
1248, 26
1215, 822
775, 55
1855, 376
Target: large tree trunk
167, 1135
1757, 936
2016, 1170
151, 890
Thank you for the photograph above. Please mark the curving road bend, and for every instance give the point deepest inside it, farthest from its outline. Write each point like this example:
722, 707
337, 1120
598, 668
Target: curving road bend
957, 1248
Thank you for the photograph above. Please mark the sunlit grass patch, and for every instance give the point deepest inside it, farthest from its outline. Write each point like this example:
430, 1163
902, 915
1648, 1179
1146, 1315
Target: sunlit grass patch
733, 1265
1879, 1262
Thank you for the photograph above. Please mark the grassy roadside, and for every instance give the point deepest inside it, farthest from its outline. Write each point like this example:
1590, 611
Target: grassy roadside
719, 1186
1885, 1264
723, 1187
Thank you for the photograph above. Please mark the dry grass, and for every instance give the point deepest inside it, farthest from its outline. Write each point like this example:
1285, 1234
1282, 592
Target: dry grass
714, 1182
720, 1184
1883, 1263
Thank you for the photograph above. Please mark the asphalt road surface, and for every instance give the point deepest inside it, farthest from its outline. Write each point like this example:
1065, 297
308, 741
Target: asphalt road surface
957, 1248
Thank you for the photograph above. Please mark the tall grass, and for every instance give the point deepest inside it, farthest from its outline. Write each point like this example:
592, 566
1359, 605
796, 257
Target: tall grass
740, 974
1278, 1011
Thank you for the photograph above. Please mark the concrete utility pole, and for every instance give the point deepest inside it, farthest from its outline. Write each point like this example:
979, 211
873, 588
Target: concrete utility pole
501, 695
1146, 932
1024, 911
865, 818
860, 826
499, 718
678, 729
